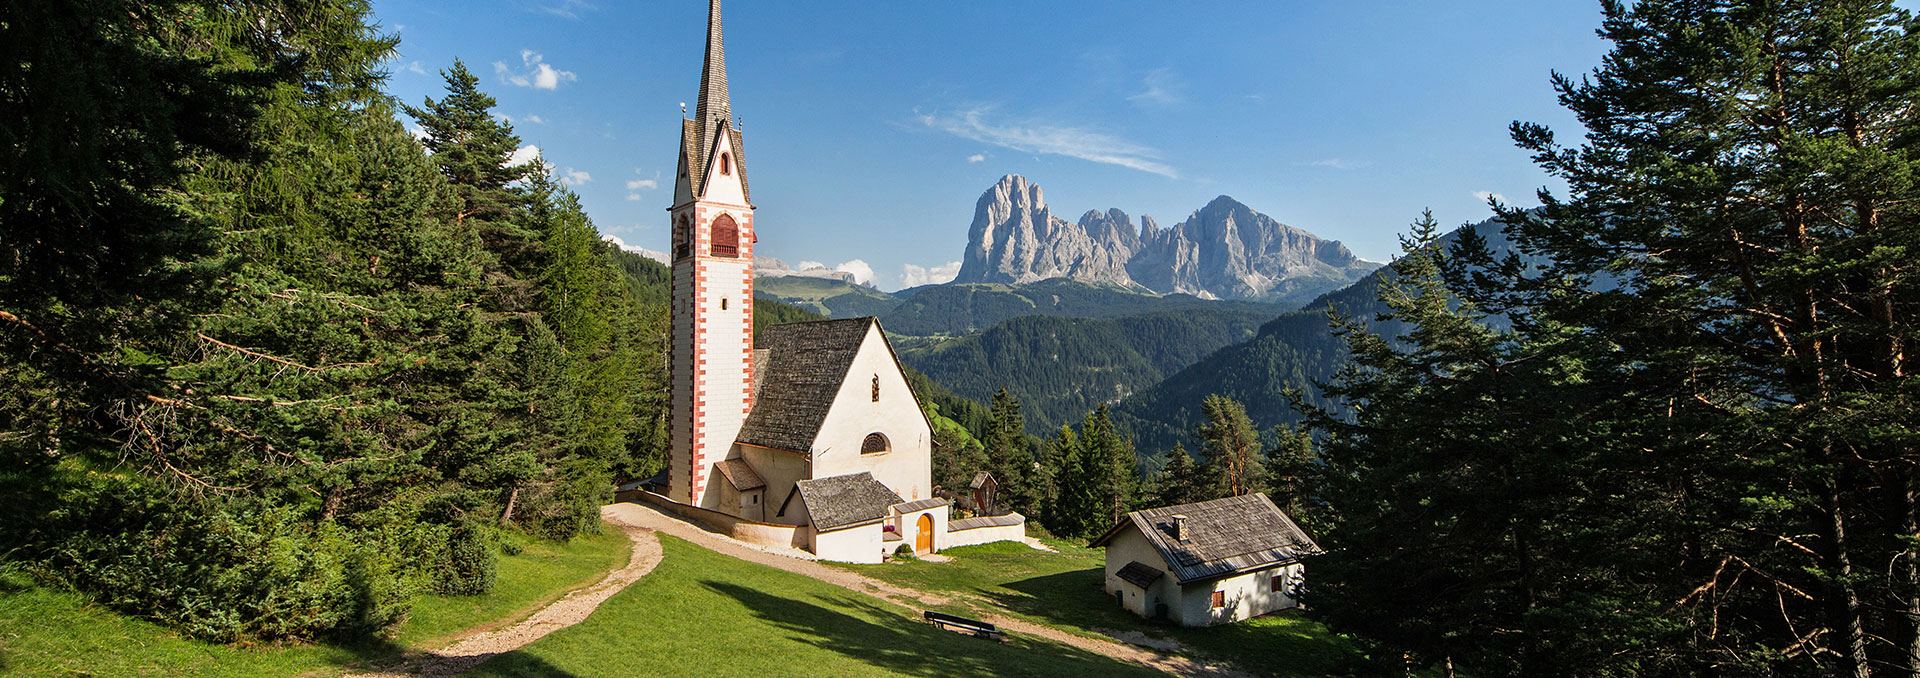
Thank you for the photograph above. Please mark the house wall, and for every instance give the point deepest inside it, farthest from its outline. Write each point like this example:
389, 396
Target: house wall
780, 469
1129, 546
1247, 596
858, 544
982, 535
908, 468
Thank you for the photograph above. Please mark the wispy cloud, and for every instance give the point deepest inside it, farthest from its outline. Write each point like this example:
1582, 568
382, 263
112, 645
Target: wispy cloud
977, 158
570, 9
1160, 87
536, 72
1047, 138
1340, 163
1485, 195
915, 276
574, 177
416, 67
634, 186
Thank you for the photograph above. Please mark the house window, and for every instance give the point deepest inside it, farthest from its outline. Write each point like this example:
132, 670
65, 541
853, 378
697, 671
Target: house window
1279, 584
876, 388
1219, 599
874, 443
726, 237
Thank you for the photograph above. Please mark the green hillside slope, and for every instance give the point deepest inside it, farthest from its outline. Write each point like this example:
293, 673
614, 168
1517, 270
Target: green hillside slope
826, 296
959, 309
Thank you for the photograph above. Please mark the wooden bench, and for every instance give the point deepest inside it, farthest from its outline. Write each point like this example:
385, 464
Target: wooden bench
973, 626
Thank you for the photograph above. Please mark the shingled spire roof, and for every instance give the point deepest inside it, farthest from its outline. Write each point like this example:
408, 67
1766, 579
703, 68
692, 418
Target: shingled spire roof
712, 113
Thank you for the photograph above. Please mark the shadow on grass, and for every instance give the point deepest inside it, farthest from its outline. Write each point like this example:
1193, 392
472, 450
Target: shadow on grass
516, 663
903, 645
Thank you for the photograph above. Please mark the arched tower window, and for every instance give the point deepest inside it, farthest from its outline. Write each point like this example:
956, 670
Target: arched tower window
874, 443
726, 237
683, 238
726, 164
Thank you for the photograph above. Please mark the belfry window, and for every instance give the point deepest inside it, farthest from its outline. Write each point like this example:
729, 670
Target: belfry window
682, 238
874, 443
726, 164
726, 237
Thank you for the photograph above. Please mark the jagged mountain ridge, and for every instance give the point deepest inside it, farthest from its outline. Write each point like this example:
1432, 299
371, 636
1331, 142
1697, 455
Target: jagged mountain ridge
1224, 250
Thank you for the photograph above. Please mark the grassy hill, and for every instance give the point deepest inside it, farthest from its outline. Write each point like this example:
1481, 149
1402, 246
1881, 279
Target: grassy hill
1061, 368
826, 296
953, 310
700, 612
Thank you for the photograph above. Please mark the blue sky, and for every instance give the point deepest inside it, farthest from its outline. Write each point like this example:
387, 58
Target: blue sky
872, 127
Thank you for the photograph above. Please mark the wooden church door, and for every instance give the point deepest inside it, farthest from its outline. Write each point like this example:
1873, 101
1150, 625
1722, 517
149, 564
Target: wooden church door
924, 541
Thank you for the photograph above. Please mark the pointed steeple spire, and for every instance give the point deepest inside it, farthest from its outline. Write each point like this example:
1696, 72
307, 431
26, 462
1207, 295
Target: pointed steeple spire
713, 108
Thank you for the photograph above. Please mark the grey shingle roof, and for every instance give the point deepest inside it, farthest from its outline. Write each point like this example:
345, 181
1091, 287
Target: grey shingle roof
1224, 537
1139, 574
804, 367
845, 501
741, 475
920, 505
986, 521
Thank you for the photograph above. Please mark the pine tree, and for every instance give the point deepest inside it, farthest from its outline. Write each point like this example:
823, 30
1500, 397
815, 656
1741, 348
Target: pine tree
1180, 481
1291, 464
1232, 449
1007, 451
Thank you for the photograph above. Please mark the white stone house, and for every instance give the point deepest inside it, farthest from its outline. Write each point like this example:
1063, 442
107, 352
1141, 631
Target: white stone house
1207, 563
815, 440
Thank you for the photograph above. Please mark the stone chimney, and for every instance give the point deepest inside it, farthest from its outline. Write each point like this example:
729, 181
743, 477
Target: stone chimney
1180, 527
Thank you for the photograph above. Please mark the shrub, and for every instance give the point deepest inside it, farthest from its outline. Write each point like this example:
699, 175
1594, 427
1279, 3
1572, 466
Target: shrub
469, 566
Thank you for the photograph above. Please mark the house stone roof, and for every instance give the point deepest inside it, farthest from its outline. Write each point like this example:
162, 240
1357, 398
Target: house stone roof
845, 501
1224, 537
741, 475
986, 521
1139, 574
920, 505
804, 367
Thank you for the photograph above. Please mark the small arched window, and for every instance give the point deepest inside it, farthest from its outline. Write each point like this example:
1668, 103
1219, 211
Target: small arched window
874, 443
876, 388
726, 237
726, 164
683, 238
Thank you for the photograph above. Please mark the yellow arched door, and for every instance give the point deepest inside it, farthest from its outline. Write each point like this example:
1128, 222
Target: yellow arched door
924, 542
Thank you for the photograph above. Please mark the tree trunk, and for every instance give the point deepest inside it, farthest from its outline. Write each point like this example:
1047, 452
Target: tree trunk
507, 515
1854, 635
1913, 574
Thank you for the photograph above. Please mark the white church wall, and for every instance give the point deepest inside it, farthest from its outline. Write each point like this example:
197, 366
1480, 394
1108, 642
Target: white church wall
982, 535
724, 188
781, 470
907, 468
860, 544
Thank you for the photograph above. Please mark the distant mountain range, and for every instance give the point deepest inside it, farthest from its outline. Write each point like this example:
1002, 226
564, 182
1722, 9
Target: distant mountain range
1296, 350
1224, 250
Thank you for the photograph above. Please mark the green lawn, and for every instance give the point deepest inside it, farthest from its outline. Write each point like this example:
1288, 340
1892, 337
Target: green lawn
45, 632
1065, 590
701, 613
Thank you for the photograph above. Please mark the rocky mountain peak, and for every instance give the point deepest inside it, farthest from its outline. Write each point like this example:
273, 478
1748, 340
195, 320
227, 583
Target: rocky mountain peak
1224, 250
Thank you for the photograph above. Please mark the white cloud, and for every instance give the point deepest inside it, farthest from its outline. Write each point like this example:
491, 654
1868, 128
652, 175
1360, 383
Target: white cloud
537, 73
570, 9
804, 265
537, 120
1340, 163
574, 177
417, 133
862, 273
1161, 87
417, 67
1042, 137
523, 155
977, 158
1484, 195
915, 276
636, 185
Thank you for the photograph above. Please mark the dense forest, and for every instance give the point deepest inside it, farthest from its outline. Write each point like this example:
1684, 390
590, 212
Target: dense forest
274, 364
1061, 368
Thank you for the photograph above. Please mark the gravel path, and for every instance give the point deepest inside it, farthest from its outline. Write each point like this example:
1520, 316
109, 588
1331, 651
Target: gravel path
465, 654
646, 517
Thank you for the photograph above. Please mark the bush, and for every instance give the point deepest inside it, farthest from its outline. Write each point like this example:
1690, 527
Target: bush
469, 566
905, 552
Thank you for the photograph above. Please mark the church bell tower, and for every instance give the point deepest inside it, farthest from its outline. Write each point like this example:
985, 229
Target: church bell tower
711, 344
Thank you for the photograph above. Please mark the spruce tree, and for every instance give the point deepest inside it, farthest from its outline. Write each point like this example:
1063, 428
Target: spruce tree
1231, 447
1007, 451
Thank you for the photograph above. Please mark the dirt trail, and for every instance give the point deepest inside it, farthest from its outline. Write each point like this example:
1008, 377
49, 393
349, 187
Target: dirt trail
465, 654
646, 517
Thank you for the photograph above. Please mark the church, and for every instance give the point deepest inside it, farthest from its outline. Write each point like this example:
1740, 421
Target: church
812, 440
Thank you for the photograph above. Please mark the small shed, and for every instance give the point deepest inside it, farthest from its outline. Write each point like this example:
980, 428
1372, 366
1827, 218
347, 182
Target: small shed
1207, 563
984, 489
